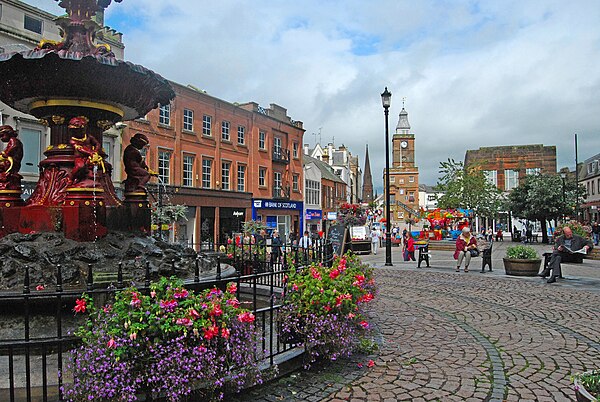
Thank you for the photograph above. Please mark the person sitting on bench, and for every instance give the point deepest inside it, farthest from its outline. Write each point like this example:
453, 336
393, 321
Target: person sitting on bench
564, 246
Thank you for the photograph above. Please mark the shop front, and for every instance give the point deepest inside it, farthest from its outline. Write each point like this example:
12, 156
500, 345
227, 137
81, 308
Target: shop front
313, 218
283, 216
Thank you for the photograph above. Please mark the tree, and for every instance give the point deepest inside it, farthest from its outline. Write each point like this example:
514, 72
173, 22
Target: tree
541, 197
468, 188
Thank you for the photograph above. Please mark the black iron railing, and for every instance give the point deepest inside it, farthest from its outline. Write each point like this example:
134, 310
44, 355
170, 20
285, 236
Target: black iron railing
38, 324
281, 155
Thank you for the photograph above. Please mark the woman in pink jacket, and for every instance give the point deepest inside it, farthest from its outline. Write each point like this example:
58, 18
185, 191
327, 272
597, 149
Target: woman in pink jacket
464, 244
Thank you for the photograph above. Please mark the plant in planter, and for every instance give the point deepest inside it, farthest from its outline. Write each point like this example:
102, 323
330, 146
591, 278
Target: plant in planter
163, 344
521, 261
587, 385
323, 308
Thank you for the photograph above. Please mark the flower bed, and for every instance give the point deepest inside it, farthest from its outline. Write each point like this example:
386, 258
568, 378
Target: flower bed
323, 308
166, 344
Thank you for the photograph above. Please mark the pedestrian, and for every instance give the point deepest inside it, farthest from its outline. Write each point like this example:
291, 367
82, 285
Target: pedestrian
305, 241
466, 247
596, 232
565, 245
490, 234
275, 248
409, 248
374, 240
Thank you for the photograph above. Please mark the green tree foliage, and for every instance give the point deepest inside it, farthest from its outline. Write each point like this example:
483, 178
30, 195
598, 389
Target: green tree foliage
467, 188
541, 197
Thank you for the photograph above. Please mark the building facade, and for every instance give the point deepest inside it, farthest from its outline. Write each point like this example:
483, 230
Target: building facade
404, 173
589, 177
428, 197
23, 27
227, 162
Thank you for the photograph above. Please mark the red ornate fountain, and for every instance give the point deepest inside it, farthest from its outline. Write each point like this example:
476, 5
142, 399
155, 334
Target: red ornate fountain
79, 90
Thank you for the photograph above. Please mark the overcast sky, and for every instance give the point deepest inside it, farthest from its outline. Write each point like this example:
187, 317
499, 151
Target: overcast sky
474, 73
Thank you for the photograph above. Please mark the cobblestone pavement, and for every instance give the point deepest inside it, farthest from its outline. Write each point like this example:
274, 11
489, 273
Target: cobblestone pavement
451, 336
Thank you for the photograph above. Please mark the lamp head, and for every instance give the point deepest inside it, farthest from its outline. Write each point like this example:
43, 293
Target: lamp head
386, 98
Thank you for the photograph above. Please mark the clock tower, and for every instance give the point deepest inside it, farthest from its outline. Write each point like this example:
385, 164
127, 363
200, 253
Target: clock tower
404, 174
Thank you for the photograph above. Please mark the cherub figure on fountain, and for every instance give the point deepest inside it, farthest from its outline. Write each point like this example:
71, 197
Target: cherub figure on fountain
88, 154
10, 160
138, 172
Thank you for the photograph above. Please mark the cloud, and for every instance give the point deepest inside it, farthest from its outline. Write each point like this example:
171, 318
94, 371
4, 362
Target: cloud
475, 73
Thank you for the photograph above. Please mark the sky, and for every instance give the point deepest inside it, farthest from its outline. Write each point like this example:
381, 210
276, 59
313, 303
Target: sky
473, 73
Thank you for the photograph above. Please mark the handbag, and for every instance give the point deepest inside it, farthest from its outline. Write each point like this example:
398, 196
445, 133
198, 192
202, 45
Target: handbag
474, 252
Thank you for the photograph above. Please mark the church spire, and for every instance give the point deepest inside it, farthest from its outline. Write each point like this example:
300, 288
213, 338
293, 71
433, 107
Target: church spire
367, 191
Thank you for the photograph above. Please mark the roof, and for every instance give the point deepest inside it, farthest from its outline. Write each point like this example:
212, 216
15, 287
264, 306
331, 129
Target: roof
326, 170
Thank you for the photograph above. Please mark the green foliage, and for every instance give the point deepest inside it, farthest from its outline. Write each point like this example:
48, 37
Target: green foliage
252, 227
168, 214
467, 188
577, 228
521, 253
590, 381
540, 197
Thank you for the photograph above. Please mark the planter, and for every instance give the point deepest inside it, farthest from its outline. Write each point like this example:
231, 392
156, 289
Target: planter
581, 394
521, 267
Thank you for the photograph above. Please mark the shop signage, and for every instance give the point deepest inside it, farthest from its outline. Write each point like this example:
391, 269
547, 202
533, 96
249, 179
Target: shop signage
331, 216
313, 214
237, 214
268, 204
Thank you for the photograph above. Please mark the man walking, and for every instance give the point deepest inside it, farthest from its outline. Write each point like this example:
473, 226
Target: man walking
374, 240
565, 245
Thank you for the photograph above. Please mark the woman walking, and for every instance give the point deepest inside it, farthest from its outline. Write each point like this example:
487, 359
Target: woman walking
466, 246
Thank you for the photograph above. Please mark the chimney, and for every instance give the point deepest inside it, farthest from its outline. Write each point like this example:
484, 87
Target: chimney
305, 149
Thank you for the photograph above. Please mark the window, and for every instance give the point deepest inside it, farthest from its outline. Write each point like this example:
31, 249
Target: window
295, 183
411, 179
164, 115
262, 173
225, 174
392, 179
511, 179
225, 131
401, 191
401, 215
312, 191
107, 146
144, 153
32, 143
206, 173
164, 167
261, 139
206, 125
533, 171
491, 176
241, 135
188, 171
32, 24
188, 120
392, 199
277, 145
295, 149
401, 181
276, 182
241, 178
598, 186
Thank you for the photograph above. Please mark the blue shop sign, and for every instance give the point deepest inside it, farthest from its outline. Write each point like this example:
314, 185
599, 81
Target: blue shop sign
271, 204
314, 214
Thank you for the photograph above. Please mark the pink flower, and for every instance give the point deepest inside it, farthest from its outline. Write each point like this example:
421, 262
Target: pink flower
351, 315
315, 273
216, 311
168, 305
111, 344
327, 308
39, 287
107, 308
153, 294
294, 287
182, 294
233, 303
194, 314
364, 324
229, 255
334, 274
246, 317
184, 321
80, 306
133, 336
225, 333
232, 288
201, 349
215, 292
370, 364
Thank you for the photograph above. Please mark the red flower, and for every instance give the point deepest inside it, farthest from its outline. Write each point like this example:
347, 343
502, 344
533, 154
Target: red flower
232, 288
194, 314
211, 332
364, 324
225, 333
111, 344
39, 287
80, 306
233, 303
370, 364
246, 317
334, 273
184, 321
216, 311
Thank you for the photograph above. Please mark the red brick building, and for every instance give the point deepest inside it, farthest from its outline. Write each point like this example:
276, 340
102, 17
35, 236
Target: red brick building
506, 166
227, 162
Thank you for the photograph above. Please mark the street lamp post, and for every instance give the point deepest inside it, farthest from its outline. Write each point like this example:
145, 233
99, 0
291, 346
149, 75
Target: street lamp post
563, 176
386, 100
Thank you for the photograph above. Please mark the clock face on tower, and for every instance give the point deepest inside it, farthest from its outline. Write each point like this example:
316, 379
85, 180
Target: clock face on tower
404, 144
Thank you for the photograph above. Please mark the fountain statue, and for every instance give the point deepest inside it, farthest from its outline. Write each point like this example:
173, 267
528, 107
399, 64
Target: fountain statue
74, 217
